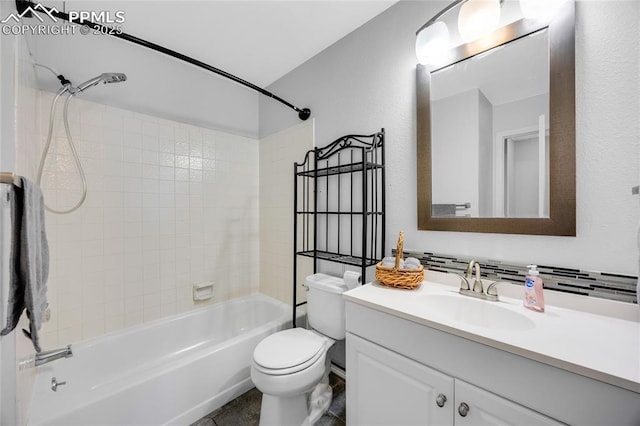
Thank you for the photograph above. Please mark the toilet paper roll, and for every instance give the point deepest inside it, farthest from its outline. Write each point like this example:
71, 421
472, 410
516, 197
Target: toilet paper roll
352, 279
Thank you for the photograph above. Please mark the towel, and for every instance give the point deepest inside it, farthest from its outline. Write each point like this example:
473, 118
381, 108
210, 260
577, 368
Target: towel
29, 260
443, 210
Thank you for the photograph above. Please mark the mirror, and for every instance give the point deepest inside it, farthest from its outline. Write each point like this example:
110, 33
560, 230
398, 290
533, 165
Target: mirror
489, 125
496, 133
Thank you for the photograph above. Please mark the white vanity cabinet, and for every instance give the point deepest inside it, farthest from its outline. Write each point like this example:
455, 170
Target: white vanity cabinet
386, 388
400, 366
477, 407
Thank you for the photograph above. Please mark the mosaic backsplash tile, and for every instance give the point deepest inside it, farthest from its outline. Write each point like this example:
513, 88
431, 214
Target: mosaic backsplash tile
586, 283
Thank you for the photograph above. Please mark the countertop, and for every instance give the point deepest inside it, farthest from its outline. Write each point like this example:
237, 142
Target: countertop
601, 347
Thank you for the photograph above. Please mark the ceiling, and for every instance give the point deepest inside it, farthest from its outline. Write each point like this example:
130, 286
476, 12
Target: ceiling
258, 41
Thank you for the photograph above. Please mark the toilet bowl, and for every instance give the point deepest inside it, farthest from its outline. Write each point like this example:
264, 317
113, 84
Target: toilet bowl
291, 367
286, 367
289, 362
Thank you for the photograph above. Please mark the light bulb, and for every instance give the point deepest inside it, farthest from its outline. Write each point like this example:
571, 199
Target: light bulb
432, 43
535, 9
478, 18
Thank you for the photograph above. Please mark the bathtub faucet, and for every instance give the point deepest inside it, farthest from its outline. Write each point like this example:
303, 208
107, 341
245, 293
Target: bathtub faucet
48, 356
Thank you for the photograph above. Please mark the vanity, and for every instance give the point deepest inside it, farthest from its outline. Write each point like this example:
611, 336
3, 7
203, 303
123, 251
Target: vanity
431, 356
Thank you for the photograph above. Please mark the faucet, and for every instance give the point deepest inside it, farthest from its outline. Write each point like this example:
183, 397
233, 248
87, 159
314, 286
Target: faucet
477, 283
48, 356
477, 290
492, 291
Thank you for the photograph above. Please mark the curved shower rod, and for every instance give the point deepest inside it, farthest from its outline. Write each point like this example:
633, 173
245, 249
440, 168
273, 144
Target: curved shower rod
23, 5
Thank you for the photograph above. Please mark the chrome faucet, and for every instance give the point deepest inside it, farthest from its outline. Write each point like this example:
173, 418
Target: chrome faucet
48, 356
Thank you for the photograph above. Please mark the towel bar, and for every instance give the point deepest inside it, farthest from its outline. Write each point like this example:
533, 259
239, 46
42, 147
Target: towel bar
9, 178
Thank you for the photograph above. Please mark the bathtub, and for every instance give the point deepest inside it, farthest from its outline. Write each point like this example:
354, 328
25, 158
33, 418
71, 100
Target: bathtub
172, 371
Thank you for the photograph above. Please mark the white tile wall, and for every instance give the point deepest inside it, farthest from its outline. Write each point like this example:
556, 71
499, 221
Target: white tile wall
168, 205
278, 152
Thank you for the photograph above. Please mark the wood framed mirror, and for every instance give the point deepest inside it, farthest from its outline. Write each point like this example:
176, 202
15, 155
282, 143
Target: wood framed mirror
472, 181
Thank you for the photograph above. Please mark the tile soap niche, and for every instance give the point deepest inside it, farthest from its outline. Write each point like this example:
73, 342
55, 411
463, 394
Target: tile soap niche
202, 291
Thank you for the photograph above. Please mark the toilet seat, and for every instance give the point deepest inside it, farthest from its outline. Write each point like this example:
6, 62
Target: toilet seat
288, 351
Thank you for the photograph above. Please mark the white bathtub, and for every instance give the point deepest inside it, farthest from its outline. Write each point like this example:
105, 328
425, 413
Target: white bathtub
171, 371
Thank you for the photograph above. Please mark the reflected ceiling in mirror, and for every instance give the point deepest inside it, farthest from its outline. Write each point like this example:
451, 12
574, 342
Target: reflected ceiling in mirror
496, 132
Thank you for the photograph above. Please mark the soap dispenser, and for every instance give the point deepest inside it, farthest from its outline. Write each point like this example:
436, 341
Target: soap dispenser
533, 290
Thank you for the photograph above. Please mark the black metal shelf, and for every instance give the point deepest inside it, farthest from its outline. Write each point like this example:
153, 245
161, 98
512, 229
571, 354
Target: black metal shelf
346, 259
342, 213
339, 204
338, 170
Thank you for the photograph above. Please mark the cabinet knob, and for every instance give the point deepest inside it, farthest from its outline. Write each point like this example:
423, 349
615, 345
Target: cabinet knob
463, 409
441, 400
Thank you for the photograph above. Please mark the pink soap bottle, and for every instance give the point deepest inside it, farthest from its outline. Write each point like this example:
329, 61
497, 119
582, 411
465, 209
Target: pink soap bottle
533, 290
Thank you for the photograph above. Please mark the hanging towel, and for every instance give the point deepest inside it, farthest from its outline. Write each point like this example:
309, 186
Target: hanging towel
29, 260
443, 210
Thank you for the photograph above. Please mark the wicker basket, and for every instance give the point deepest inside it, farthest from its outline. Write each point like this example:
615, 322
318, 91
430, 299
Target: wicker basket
396, 277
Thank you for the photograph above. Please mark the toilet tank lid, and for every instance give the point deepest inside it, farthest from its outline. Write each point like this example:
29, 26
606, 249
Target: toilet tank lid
326, 283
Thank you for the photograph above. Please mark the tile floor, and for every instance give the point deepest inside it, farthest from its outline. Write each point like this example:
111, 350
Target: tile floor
245, 409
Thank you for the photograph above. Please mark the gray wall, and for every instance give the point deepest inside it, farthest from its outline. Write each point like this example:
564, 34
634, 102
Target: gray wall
367, 80
520, 114
485, 156
455, 122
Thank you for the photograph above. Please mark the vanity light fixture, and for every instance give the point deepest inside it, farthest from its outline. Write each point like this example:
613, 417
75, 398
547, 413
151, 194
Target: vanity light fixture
432, 43
476, 18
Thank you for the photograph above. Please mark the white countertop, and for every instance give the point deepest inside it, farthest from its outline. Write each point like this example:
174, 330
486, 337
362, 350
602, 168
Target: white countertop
605, 348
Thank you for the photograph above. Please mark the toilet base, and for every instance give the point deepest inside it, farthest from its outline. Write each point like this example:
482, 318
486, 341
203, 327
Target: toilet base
320, 400
281, 411
298, 410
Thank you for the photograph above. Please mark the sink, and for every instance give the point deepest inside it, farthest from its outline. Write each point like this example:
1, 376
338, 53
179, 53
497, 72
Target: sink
475, 312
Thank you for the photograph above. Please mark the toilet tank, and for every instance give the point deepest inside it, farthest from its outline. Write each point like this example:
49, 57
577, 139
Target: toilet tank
325, 305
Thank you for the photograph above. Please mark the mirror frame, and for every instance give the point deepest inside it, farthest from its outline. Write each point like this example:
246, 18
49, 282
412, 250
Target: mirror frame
562, 133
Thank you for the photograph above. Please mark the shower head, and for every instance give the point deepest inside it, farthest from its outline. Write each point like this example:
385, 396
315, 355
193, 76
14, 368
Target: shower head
109, 77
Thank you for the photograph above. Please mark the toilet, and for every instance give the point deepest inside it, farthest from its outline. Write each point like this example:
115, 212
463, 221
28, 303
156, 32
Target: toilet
291, 367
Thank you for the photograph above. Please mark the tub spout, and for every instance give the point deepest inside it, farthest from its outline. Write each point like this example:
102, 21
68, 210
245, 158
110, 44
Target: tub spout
48, 356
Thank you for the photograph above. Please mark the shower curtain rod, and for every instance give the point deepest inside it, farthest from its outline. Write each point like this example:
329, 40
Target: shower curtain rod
24, 5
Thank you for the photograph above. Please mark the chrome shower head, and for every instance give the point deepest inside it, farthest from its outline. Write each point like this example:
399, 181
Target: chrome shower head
109, 77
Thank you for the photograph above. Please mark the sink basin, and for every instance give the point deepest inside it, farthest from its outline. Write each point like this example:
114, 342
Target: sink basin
475, 312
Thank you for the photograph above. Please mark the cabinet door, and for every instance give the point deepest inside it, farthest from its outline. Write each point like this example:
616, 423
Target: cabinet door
485, 408
385, 388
